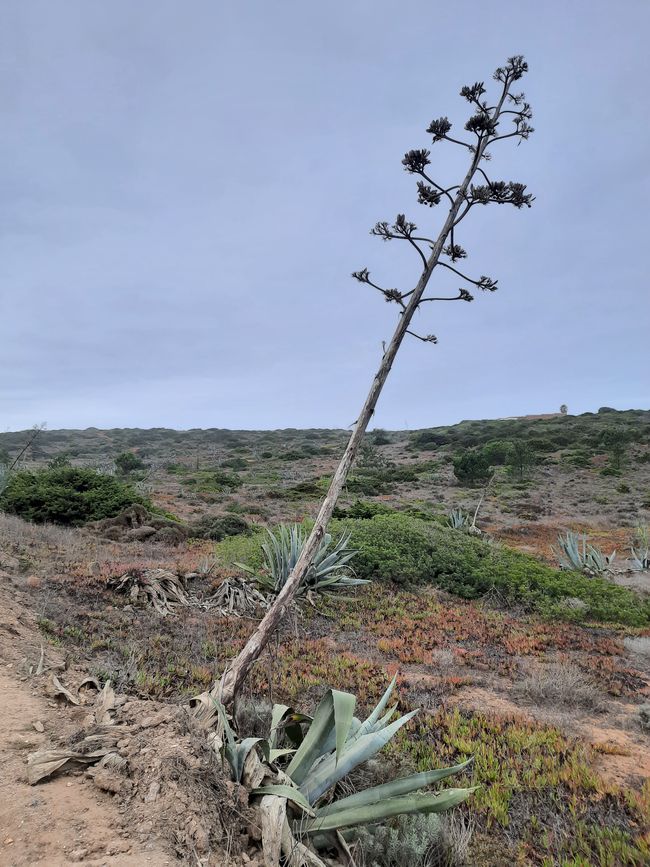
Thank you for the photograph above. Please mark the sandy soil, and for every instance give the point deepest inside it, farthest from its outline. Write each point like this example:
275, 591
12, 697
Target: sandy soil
66, 819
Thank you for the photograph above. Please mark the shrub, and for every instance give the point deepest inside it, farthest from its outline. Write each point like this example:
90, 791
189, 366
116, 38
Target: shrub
495, 452
213, 481
363, 509
521, 458
127, 462
615, 441
559, 683
408, 840
408, 550
380, 437
235, 464
67, 495
472, 467
242, 549
220, 526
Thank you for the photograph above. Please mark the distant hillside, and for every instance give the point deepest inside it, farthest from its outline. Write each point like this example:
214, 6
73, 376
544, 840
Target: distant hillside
547, 433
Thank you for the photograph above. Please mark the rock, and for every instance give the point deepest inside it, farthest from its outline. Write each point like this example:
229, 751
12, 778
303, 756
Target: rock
171, 535
108, 781
38, 725
139, 534
113, 534
152, 792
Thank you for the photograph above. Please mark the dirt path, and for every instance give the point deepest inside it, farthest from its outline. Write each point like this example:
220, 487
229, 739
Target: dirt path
64, 820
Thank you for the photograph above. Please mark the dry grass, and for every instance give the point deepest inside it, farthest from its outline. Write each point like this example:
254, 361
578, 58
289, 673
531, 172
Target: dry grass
48, 549
561, 684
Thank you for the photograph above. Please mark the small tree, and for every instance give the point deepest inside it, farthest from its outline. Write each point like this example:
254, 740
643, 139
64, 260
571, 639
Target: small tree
615, 441
521, 458
439, 254
472, 467
128, 462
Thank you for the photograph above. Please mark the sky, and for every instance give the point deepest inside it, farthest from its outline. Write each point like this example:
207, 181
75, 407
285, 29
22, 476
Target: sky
185, 189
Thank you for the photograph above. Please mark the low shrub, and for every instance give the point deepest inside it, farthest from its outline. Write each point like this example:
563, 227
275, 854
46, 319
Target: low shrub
67, 495
219, 526
128, 462
213, 481
408, 550
243, 549
363, 509
472, 467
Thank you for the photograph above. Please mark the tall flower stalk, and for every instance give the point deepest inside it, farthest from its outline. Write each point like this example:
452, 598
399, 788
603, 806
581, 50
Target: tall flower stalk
484, 128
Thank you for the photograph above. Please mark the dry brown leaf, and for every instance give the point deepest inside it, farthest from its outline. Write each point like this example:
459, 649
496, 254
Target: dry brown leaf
59, 689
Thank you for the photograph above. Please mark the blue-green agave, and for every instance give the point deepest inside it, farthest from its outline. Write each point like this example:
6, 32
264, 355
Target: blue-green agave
329, 570
574, 553
297, 784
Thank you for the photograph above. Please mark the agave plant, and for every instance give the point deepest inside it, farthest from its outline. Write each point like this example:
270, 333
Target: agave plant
641, 549
295, 788
573, 552
329, 569
458, 519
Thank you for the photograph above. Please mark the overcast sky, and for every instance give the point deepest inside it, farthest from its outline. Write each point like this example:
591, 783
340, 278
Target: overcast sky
185, 188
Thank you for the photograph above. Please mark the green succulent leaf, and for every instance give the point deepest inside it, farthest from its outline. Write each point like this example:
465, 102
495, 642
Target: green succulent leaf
330, 771
372, 813
392, 789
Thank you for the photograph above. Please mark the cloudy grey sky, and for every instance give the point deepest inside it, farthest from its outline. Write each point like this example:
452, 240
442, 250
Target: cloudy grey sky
185, 188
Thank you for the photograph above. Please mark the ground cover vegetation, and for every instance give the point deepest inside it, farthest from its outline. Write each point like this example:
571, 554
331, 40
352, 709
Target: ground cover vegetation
484, 669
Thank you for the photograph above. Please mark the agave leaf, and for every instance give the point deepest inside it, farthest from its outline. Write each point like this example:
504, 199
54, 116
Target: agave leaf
237, 756
329, 771
246, 568
430, 802
392, 789
312, 746
367, 726
344, 704
294, 795
278, 715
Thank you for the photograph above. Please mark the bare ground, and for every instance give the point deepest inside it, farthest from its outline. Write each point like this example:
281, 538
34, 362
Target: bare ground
66, 819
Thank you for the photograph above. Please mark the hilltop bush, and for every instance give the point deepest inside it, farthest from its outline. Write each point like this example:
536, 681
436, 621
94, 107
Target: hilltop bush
67, 495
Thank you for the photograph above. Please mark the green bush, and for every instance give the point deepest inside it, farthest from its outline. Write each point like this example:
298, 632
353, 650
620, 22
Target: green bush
128, 462
471, 467
363, 509
496, 452
243, 549
220, 526
213, 481
67, 495
411, 551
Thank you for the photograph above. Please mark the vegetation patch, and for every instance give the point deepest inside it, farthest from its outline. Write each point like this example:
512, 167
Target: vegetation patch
409, 550
67, 495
